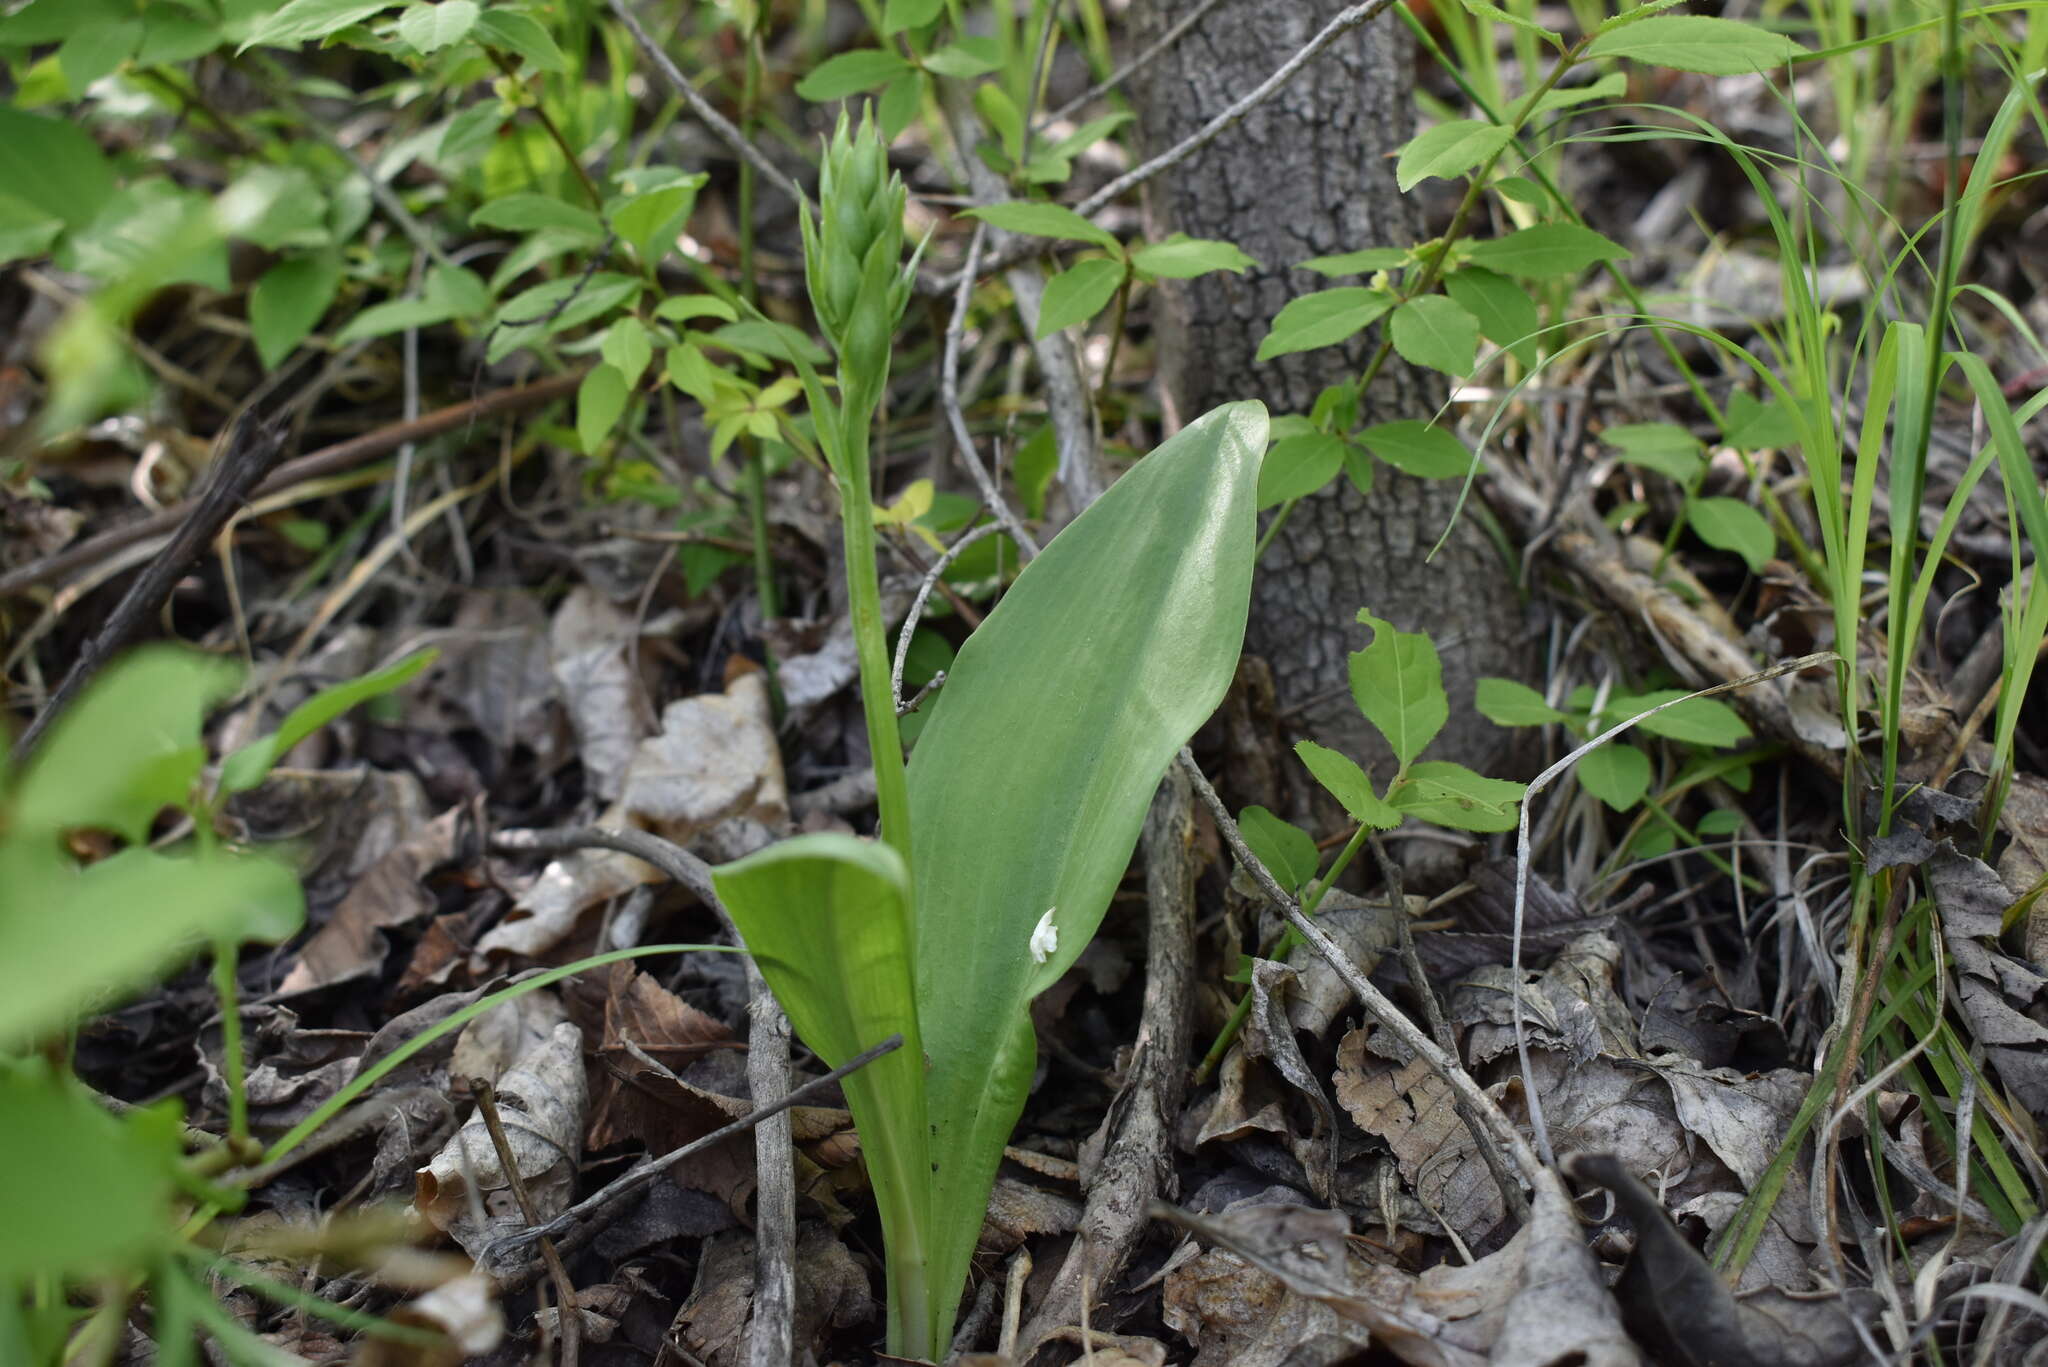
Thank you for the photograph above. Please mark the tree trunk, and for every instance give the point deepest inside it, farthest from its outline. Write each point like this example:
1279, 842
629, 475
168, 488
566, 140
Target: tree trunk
1308, 173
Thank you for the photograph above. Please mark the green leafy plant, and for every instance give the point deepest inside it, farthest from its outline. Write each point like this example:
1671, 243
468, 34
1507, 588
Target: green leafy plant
95, 1194
1397, 681
1006, 837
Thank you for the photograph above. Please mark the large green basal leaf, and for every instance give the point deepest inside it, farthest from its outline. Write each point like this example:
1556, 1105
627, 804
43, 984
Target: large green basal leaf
1030, 783
827, 918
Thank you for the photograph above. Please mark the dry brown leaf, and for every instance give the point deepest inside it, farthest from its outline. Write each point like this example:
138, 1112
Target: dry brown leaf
832, 1292
541, 1101
351, 945
488, 1046
2003, 999
589, 649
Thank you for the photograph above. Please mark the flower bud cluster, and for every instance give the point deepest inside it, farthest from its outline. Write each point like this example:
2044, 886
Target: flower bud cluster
853, 253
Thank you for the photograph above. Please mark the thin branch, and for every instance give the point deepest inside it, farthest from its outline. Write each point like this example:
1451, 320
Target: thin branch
251, 450
1376, 1002
1542, 781
319, 464
715, 121
1340, 23
924, 592
569, 1320
647, 1171
949, 399
1134, 65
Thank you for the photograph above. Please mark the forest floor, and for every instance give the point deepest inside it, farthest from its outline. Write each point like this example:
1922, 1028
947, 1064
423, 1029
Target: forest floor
1663, 993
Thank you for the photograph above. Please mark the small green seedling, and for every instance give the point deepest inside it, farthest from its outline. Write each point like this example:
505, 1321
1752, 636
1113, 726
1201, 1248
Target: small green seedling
1619, 772
1397, 680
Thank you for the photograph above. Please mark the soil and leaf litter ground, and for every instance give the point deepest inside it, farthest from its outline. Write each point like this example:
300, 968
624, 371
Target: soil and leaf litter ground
1724, 1042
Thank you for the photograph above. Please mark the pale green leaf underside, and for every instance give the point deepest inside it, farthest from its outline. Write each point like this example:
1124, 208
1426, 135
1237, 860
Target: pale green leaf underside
1398, 683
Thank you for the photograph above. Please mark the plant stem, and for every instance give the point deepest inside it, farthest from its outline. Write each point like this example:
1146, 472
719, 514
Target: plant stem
864, 601
233, 1065
1289, 938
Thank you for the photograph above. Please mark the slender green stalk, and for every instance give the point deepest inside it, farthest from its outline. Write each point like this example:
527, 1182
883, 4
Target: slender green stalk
870, 633
233, 1066
1288, 940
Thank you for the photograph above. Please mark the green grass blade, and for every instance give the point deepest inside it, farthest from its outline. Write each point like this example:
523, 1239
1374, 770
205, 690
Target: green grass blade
1030, 783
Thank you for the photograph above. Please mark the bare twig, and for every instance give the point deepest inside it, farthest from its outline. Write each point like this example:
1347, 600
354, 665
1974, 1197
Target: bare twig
1542, 781
1340, 23
569, 1319
252, 449
949, 399
1375, 1001
924, 593
1134, 65
770, 1344
1129, 1161
1070, 406
1513, 1199
647, 1171
316, 465
702, 108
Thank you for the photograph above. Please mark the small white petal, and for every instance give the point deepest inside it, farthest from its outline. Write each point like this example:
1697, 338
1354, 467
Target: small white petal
1045, 937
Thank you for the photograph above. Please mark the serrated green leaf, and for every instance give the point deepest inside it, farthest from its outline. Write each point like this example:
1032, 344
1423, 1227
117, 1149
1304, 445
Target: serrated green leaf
126, 749
1545, 251
100, 1201
1413, 445
1398, 683
1696, 721
1520, 189
1507, 315
301, 20
1494, 12
522, 35
765, 337
1181, 257
1324, 318
248, 766
1661, 446
1448, 150
1297, 466
288, 301
1447, 794
849, 73
1729, 524
1079, 293
898, 106
1362, 262
1616, 773
1696, 42
1436, 332
1038, 219
431, 27
1612, 86
1504, 702
560, 304
1097, 665
1342, 778
1288, 852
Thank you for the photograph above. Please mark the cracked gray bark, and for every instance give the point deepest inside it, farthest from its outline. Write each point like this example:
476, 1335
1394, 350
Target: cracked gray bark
1309, 173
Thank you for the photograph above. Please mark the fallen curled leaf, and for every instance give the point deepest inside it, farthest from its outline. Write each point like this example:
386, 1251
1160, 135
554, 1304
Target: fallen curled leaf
590, 653
541, 1103
351, 945
2004, 1000
1679, 1308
